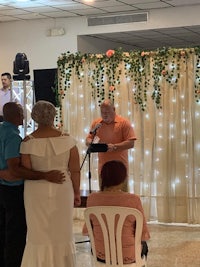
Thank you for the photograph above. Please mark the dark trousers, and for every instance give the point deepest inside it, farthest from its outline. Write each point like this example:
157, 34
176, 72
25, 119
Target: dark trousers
12, 225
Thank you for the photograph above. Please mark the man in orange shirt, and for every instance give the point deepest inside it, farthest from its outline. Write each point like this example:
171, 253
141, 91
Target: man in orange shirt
116, 132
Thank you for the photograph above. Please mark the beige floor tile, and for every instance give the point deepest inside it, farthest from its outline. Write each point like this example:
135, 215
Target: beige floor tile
169, 246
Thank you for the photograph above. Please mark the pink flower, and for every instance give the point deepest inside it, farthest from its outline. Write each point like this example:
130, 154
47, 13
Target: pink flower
111, 88
163, 72
83, 60
110, 53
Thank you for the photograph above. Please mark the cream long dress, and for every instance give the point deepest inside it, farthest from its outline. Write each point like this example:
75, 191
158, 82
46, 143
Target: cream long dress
49, 206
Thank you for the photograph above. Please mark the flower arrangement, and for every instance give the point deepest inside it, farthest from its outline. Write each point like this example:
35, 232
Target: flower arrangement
146, 70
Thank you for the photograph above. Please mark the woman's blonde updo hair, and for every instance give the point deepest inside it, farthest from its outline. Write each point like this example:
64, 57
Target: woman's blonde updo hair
43, 112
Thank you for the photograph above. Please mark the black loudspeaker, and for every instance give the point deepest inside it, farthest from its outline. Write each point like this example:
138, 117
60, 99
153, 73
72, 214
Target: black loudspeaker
44, 84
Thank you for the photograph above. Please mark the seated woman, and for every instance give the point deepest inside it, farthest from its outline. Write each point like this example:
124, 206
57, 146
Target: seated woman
113, 175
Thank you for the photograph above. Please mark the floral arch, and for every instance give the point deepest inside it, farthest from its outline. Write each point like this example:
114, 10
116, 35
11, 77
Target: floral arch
159, 92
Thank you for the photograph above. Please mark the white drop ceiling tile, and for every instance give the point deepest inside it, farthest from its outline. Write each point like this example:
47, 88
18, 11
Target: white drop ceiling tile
152, 5
135, 2
109, 3
72, 6
183, 2
31, 16
41, 9
56, 2
136, 40
193, 28
5, 7
119, 8
7, 18
145, 33
172, 30
167, 38
25, 4
59, 14
188, 34
88, 11
88, 2
13, 12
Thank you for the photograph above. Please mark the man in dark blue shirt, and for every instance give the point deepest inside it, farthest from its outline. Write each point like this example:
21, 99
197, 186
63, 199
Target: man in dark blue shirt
12, 175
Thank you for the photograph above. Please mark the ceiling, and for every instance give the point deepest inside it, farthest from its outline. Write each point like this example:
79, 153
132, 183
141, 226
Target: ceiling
23, 10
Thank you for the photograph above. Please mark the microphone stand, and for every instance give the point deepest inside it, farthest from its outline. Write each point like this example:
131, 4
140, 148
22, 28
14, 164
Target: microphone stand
89, 156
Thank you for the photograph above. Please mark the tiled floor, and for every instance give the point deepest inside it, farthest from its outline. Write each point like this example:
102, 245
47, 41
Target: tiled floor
170, 246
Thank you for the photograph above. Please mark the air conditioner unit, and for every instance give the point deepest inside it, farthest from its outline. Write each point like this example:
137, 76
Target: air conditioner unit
117, 19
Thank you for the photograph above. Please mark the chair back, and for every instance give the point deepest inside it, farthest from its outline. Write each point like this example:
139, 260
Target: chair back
112, 234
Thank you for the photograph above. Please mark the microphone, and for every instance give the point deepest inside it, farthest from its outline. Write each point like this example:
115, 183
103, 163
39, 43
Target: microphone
95, 128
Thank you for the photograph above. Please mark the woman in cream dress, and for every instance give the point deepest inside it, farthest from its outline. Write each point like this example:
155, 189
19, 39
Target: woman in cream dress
49, 206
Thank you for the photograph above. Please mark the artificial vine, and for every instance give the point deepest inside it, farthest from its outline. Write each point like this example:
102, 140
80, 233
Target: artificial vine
140, 67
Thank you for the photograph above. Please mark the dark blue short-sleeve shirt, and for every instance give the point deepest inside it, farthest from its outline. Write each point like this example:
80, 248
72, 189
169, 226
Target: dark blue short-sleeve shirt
10, 141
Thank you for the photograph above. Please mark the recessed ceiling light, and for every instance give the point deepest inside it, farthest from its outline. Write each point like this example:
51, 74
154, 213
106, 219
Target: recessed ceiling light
22, 0
88, 1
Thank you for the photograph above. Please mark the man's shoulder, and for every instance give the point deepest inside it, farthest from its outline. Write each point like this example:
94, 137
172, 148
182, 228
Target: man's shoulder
9, 132
120, 119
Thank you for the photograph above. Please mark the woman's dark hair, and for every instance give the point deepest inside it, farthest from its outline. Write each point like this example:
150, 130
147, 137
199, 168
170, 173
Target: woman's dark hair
113, 173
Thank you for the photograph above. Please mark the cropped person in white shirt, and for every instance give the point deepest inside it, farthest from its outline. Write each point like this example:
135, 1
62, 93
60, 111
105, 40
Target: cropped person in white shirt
5, 91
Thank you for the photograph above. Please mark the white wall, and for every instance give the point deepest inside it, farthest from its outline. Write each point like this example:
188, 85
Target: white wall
30, 37
87, 44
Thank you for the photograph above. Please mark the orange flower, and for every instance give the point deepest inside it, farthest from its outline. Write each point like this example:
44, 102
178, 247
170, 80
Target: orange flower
110, 53
83, 60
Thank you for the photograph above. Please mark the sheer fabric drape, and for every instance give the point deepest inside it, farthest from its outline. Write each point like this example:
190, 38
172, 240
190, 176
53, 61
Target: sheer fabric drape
164, 166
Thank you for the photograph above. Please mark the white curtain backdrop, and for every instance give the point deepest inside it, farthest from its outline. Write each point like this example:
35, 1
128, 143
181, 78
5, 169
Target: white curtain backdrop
164, 166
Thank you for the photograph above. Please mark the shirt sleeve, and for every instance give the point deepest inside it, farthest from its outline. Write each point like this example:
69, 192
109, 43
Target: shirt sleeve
12, 147
128, 131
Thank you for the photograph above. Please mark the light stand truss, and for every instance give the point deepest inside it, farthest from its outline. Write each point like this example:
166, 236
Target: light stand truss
22, 93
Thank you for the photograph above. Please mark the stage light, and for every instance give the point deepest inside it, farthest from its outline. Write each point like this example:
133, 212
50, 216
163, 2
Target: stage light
21, 67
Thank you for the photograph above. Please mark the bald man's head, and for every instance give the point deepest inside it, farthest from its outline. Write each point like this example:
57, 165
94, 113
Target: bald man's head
13, 112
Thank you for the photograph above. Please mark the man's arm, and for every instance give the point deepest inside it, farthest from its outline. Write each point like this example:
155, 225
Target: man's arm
5, 174
74, 168
121, 146
19, 172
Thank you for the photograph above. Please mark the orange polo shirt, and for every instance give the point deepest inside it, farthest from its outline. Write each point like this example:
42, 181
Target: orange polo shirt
113, 133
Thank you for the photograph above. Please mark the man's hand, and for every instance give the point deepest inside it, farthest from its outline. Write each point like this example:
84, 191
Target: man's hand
111, 147
54, 176
6, 175
88, 141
